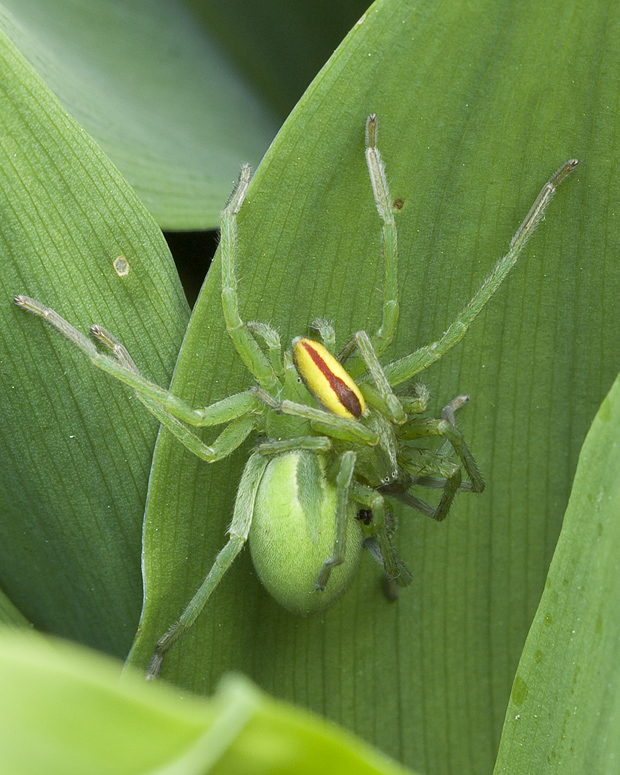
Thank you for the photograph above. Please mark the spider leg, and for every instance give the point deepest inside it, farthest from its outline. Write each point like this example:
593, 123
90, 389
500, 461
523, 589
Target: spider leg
235, 433
386, 401
383, 202
446, 427
343, 489
321, 419
378, 535
415, 398
243, 410
317, 444
121, 366
450, 481
245, 344
241, 425
326, 333
407, 367
238, 531
272, 341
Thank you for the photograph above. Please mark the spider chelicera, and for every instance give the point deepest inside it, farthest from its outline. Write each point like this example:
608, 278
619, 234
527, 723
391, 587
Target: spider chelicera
329, 449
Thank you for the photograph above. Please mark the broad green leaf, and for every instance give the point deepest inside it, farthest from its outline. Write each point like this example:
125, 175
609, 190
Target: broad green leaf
155, 90
64, 711
478, 104
564, 713
10, 616
279, 45
75, 450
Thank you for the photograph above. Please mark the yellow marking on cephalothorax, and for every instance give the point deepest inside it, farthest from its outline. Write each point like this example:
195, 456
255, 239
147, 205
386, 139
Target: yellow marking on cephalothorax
327, 379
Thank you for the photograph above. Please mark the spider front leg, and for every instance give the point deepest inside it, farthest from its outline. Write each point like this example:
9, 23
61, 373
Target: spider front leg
241, 334
383, 201
241, 425
389, 403
405, 368
238, 531
243, 411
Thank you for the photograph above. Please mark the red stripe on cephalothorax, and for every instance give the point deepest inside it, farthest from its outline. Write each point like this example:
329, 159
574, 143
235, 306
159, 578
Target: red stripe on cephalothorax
343, 392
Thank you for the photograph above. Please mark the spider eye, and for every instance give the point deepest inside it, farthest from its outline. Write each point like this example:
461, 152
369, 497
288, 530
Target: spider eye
327, 379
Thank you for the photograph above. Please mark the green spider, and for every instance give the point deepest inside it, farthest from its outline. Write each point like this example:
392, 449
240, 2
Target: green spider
328, 449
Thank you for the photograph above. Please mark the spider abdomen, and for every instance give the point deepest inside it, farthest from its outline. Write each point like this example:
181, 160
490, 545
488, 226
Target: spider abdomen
293, 534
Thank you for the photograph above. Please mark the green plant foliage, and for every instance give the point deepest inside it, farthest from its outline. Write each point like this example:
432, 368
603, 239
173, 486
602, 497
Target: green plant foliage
478, 104
279, 45
64, 711
10, 615
477, 107
155, 90
563, 715
76, 453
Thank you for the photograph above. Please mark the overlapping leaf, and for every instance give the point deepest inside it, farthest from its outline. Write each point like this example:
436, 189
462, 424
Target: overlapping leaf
563, 714
64, 711
75, 451
477, 105
155, 90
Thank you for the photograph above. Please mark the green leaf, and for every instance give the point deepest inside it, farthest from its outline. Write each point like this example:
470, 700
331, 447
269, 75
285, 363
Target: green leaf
155, 90
64, 711
10, 616
564, 711
279, 45
75, 451
478, 105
